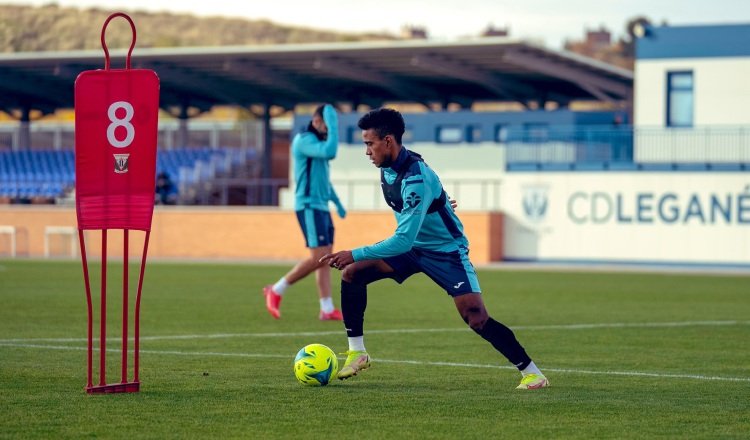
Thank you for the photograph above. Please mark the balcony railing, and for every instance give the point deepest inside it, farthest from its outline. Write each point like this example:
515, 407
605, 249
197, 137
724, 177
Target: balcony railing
626, 147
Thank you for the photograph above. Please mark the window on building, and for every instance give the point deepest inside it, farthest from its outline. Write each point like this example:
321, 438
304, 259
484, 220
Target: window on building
353, 135
679, 99
473, 133
449, 134
501, 133
408, 134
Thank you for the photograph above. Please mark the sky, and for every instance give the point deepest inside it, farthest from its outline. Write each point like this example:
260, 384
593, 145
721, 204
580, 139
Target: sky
550, 22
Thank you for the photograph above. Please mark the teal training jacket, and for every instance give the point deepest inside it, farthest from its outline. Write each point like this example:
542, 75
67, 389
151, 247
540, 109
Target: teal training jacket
425, 220
311, 169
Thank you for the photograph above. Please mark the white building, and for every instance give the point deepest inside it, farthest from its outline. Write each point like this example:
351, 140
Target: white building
691, 94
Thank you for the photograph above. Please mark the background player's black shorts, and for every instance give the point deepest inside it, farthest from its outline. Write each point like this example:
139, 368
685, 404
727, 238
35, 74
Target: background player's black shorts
317, 227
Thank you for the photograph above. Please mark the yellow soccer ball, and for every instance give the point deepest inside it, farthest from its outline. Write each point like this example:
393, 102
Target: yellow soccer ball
315, 365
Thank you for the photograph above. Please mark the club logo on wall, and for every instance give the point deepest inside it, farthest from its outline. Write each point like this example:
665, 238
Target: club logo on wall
535, 202
121, 163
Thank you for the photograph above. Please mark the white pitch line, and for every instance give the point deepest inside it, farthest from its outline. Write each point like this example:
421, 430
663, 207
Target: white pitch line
630, 325
571, 371
399, 331
410, 362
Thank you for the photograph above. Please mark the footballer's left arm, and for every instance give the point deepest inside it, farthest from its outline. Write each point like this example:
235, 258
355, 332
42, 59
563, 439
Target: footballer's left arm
416, 196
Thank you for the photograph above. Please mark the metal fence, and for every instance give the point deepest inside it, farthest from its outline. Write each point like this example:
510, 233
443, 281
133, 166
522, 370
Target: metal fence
710, 145
526, 148
198, 133
471, 194
628, 147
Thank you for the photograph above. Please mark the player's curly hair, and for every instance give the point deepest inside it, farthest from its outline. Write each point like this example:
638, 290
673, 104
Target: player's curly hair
384, 121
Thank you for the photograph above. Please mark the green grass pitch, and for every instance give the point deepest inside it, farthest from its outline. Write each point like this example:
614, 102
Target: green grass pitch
629, 355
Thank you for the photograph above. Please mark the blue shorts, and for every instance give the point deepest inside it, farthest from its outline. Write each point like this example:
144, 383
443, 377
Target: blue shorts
450, 270
317, 227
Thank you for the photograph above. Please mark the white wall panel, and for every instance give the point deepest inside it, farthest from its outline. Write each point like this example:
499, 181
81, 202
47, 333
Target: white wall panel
721, 87
637, 217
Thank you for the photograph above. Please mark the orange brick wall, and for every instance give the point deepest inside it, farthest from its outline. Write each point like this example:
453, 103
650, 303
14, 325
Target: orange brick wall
228, 233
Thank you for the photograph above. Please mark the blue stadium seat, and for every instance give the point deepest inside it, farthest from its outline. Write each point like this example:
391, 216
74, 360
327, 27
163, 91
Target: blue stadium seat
9, 189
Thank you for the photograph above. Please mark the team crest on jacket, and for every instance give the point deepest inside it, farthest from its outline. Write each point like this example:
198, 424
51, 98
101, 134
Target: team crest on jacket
121, 163
412, 200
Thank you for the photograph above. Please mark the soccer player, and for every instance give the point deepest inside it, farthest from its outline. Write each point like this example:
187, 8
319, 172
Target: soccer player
312, 150
429, 238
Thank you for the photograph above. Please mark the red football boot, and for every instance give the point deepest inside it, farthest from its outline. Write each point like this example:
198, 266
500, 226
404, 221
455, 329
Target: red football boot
335, 315
273, 300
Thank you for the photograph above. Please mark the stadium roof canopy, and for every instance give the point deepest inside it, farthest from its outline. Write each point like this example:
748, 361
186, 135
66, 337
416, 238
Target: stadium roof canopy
420, 71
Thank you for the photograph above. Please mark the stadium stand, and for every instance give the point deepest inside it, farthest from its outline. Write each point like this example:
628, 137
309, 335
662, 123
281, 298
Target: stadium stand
41, 176
654, 170
31, 175
267, 80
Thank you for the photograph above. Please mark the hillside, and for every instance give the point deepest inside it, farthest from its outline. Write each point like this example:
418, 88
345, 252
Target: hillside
55, 28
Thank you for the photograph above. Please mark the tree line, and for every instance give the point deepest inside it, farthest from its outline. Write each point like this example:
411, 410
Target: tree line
55, 28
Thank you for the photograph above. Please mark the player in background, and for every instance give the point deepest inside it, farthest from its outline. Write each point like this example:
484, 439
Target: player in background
312, 150
429, 238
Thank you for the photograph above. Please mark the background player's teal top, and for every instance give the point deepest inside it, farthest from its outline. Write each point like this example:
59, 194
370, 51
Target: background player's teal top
437, 231
311, 169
